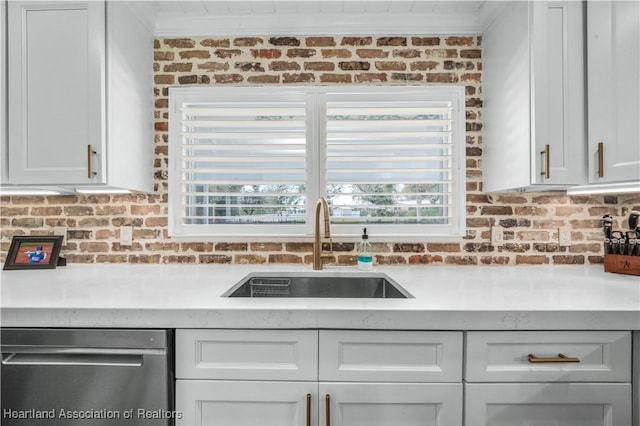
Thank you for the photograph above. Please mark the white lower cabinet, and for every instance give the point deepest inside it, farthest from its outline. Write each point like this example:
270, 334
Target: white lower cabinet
548, 378
403, 378
318, 377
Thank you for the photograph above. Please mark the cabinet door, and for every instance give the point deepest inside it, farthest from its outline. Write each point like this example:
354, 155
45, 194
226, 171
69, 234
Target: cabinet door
390, 404
56, 83
210, 402
613, 43
558, 98
557, 404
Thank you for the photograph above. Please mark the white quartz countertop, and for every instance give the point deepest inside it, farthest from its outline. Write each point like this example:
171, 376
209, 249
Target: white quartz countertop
446, 298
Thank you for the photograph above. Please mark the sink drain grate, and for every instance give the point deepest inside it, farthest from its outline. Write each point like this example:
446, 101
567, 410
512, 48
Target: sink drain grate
261, 287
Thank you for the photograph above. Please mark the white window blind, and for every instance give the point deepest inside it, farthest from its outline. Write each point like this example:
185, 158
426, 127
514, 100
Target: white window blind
253, 161
390, 161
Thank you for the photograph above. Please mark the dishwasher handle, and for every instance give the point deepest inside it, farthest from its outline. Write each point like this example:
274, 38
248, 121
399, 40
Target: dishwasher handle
73, 359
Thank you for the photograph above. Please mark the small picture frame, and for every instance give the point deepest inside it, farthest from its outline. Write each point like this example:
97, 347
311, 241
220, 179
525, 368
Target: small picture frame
33, 252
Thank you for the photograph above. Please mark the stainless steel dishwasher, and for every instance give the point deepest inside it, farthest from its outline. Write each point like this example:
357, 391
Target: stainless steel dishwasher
80, 377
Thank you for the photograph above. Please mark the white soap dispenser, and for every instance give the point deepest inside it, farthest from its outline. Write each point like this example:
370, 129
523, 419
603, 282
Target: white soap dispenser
365, 257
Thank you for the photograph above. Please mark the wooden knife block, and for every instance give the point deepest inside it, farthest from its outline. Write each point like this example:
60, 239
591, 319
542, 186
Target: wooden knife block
622, 264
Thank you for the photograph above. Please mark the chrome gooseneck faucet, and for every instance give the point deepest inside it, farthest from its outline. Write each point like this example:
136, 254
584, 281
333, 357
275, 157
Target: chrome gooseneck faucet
321, 207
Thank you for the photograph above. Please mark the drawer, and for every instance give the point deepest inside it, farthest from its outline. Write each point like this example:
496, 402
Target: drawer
247, 354
503, 356
390, 356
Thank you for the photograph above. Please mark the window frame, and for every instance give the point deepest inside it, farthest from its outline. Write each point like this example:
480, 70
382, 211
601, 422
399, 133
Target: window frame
316, 150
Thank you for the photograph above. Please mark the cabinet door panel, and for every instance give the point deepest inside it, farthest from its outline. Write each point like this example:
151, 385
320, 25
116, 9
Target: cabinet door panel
56, 62
558, 95
390, 356
391, 404
613, 42
567, 404
226, 403
247, 354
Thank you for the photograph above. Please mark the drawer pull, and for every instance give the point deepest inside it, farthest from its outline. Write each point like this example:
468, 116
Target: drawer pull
327, 404
308, 409
560, 358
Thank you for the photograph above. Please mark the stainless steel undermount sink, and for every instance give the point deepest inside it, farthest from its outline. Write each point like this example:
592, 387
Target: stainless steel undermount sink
318, 285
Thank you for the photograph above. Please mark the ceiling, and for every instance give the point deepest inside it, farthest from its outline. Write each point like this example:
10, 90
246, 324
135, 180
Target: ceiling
310, 17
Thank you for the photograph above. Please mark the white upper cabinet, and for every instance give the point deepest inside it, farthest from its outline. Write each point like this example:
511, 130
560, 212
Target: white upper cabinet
80, 95
613, 46
533, 87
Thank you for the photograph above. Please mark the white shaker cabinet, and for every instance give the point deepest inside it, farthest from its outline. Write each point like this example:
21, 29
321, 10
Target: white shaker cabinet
534, 101
312, 377
613, 46
80, 95
569, 378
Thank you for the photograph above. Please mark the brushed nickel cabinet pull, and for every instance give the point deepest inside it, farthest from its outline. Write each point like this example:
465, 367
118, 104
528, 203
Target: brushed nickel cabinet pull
561, 358
327, 404
90, 154
546, 153
600, 159
308, 409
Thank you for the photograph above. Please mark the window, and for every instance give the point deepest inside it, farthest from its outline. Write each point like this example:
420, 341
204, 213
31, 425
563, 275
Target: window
247, 161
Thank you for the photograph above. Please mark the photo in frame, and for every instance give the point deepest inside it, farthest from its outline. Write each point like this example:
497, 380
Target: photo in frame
33, 252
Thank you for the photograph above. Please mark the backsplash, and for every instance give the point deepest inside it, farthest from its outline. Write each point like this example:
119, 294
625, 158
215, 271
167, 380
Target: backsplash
531, 220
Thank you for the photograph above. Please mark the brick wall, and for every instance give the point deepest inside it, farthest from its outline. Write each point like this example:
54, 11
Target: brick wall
531, 220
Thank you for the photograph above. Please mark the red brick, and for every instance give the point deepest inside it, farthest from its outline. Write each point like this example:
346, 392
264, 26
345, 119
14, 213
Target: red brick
199, 54
178, 67
320, 41
301, 53
181, 43
356, 41
391, 41
336, 53
406, 53
284, 258
263, 79
228, 78
335, 78
425, 41
227, 53
372, 53
370, 78
424, 65
298, 78
460, 41
266, 53
247, 41
211, 42
319, 66
214, 258
391, 65
249, 259
284, 66
214, 66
